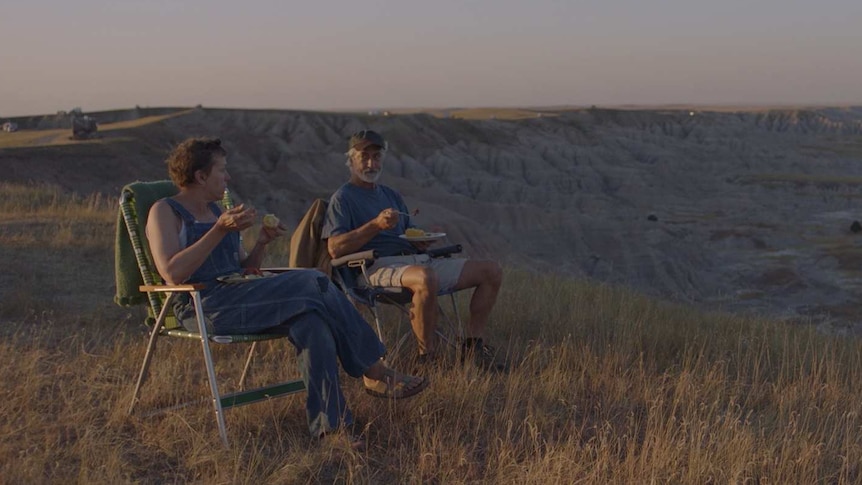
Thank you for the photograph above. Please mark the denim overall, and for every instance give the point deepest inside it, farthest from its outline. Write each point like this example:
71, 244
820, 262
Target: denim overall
317, 318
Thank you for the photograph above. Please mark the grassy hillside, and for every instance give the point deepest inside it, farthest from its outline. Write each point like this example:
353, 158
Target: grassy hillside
607, 387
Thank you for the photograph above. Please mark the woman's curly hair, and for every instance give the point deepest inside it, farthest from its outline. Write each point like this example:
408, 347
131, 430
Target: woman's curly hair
190, 156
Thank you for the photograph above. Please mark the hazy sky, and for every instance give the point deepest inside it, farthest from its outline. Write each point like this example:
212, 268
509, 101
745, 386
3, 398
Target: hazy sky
319, 54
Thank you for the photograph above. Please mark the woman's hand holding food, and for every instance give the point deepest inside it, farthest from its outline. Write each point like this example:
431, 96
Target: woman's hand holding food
270, 229
237, 218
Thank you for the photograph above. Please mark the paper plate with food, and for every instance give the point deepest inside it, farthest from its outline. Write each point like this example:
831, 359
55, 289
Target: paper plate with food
418, 235
240, 278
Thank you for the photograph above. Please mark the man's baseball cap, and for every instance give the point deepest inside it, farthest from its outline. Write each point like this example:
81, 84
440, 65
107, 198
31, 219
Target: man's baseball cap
365, 138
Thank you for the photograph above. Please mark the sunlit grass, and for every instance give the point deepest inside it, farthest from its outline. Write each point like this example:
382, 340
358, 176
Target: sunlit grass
27, 202
142, 121
498, 113
62, 136
35, 137
607, 386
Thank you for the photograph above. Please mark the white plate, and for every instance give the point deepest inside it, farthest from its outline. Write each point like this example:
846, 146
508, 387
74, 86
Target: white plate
239, 278
429, 236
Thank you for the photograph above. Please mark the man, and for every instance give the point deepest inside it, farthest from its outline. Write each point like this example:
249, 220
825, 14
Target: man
364, 215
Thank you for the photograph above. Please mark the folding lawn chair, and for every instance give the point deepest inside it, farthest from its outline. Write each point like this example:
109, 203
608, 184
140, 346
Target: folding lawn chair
308, 250
347, 269
138, 282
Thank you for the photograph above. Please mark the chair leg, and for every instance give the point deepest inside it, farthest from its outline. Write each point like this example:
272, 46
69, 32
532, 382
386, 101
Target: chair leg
199, 314
390, 350
374, 312
460, 330
151, 347
247, 365
402, 340
453, 332
456, 328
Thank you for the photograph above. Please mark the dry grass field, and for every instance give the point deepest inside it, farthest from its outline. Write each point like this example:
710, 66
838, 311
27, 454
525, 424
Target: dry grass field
61, 136
607, 386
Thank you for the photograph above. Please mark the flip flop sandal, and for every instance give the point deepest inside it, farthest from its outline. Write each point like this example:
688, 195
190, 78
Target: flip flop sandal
399, 390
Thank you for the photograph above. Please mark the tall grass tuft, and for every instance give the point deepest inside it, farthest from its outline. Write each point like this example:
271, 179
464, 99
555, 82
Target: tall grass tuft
606, 386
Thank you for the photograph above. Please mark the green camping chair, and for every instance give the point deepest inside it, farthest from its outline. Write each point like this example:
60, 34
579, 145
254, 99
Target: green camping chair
138, 282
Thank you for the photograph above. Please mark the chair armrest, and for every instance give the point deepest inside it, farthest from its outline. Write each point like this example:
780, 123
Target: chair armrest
444, 252
171, 288
369, 255
280, 269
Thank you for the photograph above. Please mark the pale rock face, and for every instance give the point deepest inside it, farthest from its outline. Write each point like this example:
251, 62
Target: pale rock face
738, 210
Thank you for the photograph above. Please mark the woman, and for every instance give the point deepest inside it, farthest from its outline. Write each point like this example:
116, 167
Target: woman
193, 241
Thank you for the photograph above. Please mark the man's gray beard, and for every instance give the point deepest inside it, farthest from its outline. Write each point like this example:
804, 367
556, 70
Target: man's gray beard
370, 178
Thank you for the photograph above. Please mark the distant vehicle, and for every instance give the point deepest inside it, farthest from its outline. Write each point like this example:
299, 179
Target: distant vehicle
83, 126
10, 127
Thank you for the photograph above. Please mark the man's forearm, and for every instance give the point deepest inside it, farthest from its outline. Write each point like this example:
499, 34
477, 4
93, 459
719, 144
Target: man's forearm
350, 242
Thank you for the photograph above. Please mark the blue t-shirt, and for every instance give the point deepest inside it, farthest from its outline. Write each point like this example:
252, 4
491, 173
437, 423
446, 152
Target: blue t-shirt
352, 206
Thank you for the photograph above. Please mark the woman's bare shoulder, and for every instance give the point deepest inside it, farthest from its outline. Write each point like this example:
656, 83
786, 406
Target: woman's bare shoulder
161, 205
161, 212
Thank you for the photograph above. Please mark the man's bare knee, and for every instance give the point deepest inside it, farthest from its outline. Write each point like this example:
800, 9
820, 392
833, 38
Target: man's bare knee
488, 274
421, 280
478, 273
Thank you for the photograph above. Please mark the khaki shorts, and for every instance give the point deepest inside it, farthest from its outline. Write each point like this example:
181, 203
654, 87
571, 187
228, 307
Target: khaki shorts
387, 271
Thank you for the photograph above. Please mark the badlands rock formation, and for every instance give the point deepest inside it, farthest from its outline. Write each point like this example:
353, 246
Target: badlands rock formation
738, 210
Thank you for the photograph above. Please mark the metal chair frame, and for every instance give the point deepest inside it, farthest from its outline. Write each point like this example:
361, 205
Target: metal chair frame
160, 298
346, 268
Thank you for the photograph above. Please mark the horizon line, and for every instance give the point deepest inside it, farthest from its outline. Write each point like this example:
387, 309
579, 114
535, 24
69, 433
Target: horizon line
538, 108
